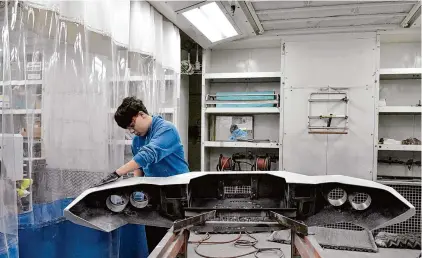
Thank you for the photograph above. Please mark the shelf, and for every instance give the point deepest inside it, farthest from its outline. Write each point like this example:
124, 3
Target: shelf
27, 159
397, 147
255, 110
239, 77
400, 110
21, 82
400, 73
415, 182
20, 111
141, 78
161, 111
166, 110
264, 145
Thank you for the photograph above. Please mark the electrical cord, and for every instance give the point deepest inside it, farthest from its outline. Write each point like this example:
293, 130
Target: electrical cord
237, 242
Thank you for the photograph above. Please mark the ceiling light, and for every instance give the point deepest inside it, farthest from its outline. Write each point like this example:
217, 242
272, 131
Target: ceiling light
211, 21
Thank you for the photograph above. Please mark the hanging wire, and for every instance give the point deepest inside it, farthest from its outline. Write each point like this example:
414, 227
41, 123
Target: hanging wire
237, 242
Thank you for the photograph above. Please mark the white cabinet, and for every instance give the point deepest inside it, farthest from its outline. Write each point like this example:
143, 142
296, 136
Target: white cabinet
241, 83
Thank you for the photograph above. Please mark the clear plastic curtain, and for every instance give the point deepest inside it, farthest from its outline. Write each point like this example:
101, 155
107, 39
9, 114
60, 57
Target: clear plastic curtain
10, 169
66, 67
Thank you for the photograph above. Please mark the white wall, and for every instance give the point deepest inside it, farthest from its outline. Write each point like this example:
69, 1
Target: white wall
245, 60
401, 55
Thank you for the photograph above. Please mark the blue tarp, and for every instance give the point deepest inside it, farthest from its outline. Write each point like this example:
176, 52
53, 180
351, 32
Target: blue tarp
44, 233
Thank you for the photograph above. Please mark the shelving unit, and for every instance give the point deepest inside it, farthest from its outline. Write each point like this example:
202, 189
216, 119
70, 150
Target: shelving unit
23, 108
20, 111
257, 110
400, 73
245, 75
397, 147
139, 78
239, 144
229, 95
21, 82
400, 118
399, 110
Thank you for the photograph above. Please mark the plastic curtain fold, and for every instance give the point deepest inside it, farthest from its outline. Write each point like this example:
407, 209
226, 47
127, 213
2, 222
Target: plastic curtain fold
66, 67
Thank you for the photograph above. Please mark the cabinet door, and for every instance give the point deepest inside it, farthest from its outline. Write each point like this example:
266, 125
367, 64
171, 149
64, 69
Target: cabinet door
352, 154
303, 153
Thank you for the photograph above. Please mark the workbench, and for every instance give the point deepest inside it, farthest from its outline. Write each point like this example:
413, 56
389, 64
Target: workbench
180, 242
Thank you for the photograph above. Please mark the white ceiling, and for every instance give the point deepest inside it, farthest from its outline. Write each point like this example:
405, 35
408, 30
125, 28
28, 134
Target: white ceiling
281, 18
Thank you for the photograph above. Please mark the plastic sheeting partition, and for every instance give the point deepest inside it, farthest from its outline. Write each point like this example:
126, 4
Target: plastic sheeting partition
66, 66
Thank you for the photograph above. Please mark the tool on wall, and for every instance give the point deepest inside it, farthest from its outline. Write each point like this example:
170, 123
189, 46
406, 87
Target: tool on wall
187, 67
328, 123
409, 163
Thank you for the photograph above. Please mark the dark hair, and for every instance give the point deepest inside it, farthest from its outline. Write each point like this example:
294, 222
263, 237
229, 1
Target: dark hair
233, 127
129, 108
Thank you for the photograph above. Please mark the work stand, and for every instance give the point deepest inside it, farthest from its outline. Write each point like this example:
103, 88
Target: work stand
175, 242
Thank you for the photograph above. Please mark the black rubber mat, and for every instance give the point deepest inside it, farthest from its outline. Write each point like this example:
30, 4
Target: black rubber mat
334, 238
405, 241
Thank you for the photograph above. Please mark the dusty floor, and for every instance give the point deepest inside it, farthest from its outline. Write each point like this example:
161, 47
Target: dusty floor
228, 250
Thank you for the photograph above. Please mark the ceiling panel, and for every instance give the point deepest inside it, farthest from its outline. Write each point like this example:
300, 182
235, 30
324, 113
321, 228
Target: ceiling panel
287, 16
292, 17
179, 5
330, 23
262, 5
340, 11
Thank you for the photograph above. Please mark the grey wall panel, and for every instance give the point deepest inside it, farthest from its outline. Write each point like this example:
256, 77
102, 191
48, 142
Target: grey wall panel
302, 152
352, 154
245, 60
401, 55
337, 63
400, 92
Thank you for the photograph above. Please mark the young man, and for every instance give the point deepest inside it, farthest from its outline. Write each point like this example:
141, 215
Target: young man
156, 148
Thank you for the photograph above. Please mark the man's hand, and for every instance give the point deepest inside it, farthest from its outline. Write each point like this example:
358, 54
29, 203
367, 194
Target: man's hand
108, 179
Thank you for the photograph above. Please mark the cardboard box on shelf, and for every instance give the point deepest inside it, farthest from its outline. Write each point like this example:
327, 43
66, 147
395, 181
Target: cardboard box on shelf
36, 132
32, 129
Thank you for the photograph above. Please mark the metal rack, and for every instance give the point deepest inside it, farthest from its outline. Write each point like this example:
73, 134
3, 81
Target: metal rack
339, 97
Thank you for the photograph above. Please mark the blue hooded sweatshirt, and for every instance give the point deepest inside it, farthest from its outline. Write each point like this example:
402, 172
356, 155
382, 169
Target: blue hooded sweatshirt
160, 153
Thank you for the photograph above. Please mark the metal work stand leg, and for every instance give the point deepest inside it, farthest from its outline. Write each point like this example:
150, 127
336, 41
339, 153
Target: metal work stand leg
306, 247
183, 253
293, 250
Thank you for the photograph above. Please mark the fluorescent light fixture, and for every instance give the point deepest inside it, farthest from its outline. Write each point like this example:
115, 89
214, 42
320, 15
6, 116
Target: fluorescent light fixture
211, 21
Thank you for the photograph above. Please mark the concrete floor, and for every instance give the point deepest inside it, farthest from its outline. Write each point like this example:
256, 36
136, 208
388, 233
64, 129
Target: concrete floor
227, 250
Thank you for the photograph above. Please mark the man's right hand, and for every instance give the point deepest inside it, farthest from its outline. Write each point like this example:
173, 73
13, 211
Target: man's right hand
108, 179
